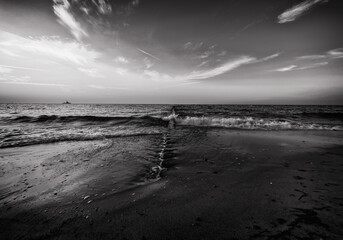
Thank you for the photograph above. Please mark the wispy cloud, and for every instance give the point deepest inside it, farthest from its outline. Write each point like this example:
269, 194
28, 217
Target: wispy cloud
179, 85
270, 57
121, 71
148, 63
222, 53
246, 27
23, 68
135, 2
296, 11
226, 67
5, 70
206, 53
192, 46
296, 68
331, 54
62, 9
8, 53
203, 63
336, 53
146, 53
157, 76
69, 51
314, 65
128, 8
101, 87
8, 78
102, 6
121, 59
311, 57
37, 83
92, 72
286, 69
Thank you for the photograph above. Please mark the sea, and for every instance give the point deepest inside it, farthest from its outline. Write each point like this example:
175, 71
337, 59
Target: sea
30, 124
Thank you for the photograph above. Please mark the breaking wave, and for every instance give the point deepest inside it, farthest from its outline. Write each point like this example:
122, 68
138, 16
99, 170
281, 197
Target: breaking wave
89, 119
37, 129
251, 123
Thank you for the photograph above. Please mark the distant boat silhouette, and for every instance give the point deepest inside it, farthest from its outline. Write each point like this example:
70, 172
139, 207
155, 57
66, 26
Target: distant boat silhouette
66, 102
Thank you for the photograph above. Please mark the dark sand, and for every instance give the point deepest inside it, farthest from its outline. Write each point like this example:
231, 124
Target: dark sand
220, 184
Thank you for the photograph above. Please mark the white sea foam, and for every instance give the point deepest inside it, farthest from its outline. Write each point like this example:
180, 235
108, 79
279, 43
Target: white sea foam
250, 123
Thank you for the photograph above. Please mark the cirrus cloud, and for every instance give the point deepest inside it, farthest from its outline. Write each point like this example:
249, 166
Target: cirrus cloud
66, 18
298, 10
53, 47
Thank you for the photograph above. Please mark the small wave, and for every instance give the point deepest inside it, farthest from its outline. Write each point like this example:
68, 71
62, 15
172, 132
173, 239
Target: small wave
34, 139
55, 118
172, 116
86, 119
251, 123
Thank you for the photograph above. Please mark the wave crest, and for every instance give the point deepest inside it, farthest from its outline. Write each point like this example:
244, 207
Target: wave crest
250, 123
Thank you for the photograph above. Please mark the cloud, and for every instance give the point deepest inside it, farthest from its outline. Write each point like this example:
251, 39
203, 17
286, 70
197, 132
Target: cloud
269, 57
102, 6
20, 82
146, 53
179, 85
246, 27
4, 70
200, 51
226, 67
100, 87
286, 69
314, 65
23, 68
222, 53
92, 72
296, 68
202, 64
69, 51
296, 11
311, 57
207, 53
331, 54
121, 59
8, 53
148, 63
336, 53
37, 83
157, 76
121, 71
127, 8
62, 10
192, 46
44, 51
135, 2
187, 45
7, 77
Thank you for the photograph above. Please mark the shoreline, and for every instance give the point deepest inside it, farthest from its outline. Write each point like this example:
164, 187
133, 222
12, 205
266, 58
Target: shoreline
222, 184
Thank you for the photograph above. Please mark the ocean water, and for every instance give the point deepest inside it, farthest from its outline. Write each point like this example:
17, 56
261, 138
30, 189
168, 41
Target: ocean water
28, 124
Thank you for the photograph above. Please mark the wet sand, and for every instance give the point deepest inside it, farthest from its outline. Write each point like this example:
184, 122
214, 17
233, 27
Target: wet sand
218, 184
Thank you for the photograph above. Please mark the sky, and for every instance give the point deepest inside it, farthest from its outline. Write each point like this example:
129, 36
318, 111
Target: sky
162, 51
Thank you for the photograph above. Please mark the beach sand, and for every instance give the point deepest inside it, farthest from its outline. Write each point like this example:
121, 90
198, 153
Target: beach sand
218, 184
